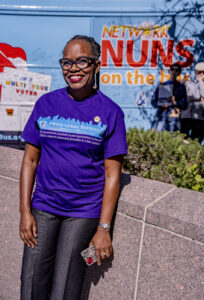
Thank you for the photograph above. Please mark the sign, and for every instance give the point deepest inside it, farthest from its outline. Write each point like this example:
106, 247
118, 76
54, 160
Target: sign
12, 57
136, 53
21, 86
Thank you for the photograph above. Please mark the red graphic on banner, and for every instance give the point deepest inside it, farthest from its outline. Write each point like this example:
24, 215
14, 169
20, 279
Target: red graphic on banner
143, 57
118, 43
11, 57
157, 50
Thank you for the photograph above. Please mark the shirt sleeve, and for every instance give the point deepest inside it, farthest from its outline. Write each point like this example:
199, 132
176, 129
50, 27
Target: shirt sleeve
31, 132
201, 88
154, 98
115, 142
181, 101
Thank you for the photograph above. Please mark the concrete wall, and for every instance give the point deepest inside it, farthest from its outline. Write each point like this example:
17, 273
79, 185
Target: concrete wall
158, 241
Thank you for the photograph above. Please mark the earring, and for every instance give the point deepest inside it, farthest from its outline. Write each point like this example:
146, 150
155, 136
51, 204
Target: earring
95, 82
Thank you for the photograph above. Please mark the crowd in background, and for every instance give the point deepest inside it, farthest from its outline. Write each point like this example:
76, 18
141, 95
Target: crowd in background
181, 106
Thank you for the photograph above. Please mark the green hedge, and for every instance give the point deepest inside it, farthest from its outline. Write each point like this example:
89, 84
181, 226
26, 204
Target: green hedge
167, 157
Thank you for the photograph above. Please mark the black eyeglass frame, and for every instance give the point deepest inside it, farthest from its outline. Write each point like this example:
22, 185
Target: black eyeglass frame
91, 60
175, 69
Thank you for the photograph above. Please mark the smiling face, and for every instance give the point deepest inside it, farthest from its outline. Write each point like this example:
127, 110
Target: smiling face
76, 78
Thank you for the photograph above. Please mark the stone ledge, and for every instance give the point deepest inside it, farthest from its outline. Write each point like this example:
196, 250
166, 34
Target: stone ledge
181, 211
137, 193
167, 266
10, 162
175, 209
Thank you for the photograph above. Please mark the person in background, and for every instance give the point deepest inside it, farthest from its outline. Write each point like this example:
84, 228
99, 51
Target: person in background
169, 98
192, 119
75, 142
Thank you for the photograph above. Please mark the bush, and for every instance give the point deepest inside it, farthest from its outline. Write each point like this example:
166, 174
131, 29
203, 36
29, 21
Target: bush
167, 157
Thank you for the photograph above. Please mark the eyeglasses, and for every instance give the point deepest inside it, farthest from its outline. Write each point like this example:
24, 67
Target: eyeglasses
81, 62
175, 70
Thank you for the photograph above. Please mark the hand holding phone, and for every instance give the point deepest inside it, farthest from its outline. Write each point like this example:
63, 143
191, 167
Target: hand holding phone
89, 255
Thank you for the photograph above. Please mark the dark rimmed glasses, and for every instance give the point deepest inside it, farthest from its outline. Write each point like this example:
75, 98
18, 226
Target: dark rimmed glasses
81, 62
177, 70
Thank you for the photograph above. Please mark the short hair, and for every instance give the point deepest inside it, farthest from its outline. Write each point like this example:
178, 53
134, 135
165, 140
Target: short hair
96, 48
177, 66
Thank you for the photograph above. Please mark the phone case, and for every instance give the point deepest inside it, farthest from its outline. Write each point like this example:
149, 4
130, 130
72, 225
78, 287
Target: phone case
89, 255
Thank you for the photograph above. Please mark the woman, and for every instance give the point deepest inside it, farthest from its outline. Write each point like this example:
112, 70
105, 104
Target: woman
75, 142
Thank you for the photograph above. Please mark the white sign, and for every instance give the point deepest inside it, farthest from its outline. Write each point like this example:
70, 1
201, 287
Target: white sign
21, 86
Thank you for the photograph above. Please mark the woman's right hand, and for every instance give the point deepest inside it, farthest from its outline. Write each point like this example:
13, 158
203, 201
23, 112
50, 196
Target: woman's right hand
28, 229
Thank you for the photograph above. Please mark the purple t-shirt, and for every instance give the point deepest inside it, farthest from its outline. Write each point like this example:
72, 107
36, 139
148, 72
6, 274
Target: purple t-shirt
74, 138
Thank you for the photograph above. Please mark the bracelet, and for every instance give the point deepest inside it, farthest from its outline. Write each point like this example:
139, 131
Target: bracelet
104, 225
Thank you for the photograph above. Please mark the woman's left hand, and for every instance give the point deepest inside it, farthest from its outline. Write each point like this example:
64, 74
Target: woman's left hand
102, 243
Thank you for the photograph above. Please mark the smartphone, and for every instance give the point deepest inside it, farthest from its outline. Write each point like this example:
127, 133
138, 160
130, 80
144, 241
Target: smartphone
89, 255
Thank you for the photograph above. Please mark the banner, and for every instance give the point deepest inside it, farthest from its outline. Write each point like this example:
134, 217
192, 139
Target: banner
136, 53
21, 86
12, 57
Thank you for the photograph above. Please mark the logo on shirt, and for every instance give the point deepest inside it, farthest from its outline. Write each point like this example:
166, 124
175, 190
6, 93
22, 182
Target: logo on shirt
97, 119
43, 124
61, 124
